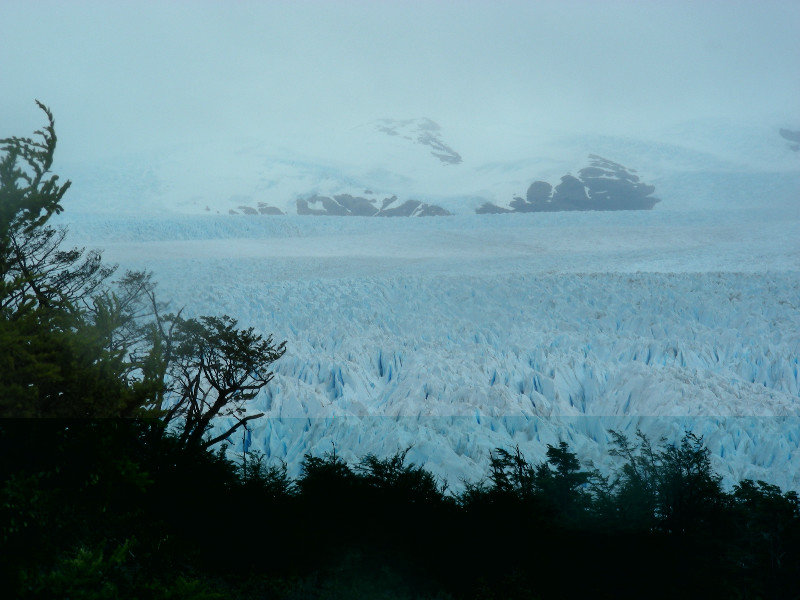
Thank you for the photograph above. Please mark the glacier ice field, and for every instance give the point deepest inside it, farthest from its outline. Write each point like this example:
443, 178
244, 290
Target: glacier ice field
461, 334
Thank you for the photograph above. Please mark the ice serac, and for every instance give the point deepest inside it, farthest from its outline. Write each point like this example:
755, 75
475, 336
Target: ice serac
458, 365
459, 335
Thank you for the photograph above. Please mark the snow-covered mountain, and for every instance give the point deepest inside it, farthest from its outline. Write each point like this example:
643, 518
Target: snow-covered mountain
455, 169
421, 131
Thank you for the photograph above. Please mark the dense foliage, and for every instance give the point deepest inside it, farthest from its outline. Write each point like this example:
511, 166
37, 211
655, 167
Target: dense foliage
105, 510
74, 344
117, 489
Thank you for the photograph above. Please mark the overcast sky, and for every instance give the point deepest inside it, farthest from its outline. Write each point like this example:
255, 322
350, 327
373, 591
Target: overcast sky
141, 74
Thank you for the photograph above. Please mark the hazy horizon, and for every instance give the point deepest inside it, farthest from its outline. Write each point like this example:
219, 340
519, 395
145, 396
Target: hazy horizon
132, 77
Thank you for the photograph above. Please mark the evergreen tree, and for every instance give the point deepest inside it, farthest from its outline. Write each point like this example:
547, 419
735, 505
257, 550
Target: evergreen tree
75, 345
36, 271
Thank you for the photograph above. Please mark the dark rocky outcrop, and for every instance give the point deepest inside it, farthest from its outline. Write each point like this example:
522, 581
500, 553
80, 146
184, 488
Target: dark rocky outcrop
519, 205
356, 205
603, 185
570, 194
388, 201
328, 206
793, 137
413, 208
539, 192
422, 131
345, 205
265, 209
487, 208
613, 187
439, 149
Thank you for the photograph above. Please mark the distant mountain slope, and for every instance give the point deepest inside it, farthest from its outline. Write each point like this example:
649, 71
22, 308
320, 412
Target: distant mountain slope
792, 136
422, 131
453, 168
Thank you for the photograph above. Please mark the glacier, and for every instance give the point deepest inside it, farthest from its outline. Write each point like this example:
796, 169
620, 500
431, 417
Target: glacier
457, 335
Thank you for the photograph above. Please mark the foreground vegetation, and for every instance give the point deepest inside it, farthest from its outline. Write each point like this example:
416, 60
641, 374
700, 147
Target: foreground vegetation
106, 509
113, 486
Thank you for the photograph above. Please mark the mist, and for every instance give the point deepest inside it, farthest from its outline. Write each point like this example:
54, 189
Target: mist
134, 76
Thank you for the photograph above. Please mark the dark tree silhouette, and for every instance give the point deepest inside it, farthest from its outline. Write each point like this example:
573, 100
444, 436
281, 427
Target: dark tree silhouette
212, 370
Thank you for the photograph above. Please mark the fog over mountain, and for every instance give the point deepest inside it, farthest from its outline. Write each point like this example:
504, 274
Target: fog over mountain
497, 81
